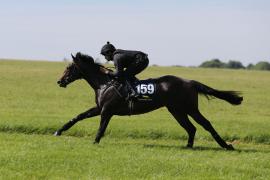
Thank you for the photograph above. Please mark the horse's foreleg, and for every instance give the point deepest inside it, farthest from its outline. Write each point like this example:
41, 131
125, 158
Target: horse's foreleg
200, 119
105, 119
95, 111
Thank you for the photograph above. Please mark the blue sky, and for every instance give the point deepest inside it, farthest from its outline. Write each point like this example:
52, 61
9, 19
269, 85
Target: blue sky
171, 32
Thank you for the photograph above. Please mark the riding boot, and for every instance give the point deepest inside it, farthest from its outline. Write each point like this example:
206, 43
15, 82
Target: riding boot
133, 92
134, 80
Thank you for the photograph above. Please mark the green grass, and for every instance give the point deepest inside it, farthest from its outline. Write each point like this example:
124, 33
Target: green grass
148, 146
34, 156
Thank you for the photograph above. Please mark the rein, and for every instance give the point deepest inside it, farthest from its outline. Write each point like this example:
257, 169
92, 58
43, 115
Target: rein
106, 72
110, 82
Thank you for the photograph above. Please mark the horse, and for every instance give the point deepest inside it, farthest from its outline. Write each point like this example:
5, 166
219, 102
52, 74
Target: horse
178, 95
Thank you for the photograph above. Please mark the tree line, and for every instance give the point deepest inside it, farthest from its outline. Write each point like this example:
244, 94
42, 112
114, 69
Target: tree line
216, 63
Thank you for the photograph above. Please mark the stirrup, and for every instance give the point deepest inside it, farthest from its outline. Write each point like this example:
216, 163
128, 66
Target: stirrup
133, 94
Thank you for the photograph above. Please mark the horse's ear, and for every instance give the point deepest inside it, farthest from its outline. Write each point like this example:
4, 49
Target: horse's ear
73, 58
83, 59
92, 61
78, 55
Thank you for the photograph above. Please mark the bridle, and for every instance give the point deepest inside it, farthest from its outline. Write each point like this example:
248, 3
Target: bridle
102, 69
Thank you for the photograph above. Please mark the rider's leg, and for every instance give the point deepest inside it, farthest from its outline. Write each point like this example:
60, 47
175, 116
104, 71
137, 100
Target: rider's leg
138, 66
133, 92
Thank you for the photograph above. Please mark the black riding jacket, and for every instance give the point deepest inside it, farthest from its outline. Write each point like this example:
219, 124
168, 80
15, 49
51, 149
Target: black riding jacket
124, 59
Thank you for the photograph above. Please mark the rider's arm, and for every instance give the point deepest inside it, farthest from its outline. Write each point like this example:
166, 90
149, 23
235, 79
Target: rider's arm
118, 63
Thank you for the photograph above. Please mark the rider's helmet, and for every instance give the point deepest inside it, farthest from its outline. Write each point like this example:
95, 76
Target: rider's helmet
107, 48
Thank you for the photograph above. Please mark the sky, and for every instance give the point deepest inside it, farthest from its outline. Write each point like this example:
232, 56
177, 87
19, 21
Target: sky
171, 32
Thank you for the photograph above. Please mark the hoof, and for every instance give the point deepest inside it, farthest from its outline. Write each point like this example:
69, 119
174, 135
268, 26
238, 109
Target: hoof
95, 142
57, 133
230, 147
189, 146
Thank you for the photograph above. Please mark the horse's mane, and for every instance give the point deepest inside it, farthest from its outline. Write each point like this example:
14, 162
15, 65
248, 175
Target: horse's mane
92, 64
101, 67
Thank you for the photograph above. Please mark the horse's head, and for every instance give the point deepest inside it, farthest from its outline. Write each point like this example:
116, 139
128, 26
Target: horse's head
70, 74
83, 66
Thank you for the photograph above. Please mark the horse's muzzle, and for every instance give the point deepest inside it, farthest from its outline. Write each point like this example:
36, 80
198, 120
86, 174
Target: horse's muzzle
61, 83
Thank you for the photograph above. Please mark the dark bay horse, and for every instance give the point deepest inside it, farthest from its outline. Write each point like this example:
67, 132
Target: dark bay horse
180, 96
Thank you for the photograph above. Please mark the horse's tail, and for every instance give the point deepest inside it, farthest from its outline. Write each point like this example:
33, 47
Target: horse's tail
229, 96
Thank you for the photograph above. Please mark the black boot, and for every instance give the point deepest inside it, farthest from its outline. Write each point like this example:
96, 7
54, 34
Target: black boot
133, 93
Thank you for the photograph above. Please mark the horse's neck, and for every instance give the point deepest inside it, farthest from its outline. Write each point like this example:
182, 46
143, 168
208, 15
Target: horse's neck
97, 81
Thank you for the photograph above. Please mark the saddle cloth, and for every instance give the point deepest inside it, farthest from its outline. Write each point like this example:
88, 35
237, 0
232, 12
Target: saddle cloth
144, 88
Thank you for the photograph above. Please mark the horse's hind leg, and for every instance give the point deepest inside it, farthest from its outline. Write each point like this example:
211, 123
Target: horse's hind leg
183, 120
200, 119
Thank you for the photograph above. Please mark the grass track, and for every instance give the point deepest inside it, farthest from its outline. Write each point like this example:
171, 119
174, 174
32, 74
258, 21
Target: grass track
46, 157
148, 146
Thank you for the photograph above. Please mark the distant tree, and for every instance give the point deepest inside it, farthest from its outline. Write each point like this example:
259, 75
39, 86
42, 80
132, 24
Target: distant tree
214, 63
262, 65
177, 66
235, 65
250, 66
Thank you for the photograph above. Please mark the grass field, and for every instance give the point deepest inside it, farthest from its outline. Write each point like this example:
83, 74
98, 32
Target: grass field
149, 146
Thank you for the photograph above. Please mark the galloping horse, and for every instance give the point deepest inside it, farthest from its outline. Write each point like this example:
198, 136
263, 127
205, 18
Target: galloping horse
180, 96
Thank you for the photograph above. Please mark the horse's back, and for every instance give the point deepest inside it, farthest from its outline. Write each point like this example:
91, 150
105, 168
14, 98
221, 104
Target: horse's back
170, 81
173, 88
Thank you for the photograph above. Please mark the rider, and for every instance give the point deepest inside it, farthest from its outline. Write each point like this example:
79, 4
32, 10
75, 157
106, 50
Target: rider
127, 64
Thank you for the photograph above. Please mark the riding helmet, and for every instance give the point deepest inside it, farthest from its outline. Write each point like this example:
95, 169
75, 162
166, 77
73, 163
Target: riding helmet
107, 48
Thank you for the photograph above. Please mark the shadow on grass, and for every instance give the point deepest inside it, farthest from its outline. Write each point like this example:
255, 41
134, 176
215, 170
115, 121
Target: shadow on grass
197, 148
204, 148
24, 129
